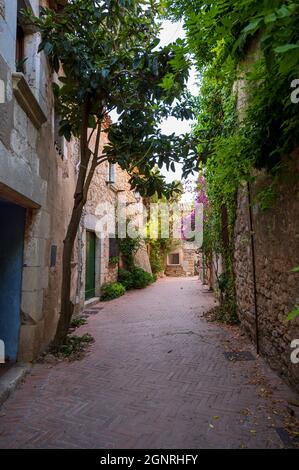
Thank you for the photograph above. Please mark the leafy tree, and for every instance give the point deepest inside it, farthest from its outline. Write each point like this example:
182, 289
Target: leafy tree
107, 56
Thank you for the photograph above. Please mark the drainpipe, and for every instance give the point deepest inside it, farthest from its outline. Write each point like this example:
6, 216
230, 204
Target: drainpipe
253, 270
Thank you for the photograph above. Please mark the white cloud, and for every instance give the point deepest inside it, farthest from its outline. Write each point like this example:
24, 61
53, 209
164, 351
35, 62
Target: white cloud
169, 33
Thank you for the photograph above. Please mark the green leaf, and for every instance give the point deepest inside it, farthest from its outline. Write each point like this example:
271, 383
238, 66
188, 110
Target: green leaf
167, 82
47, 48
286, 48
295, 269
271, 18
252, 26
283, 11
293, 314
155, 43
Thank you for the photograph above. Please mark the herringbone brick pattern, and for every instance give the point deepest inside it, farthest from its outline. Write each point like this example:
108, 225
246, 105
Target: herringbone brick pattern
156, 377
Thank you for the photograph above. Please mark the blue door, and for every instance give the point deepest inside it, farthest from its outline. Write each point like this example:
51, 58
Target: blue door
12, 225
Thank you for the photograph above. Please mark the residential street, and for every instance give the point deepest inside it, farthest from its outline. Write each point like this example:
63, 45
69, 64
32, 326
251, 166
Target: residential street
156, 377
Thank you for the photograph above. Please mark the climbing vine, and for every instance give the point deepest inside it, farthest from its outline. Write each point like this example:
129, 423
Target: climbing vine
159, 247
128, 247
247, 55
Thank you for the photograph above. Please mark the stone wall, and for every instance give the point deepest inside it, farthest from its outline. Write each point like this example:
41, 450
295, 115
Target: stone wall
33, 175
276, 241
141, 258
190, 258
38, 176
187, 256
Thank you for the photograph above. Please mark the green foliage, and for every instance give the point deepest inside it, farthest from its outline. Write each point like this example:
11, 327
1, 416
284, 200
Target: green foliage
219, 148
141, 278
77, 322
222, 34
113, 261
295, 312
223, 315
112, 290
126, 278
74, 347
223, 281
107, 55
155, 257
249, 48
136, 279
128, 247
159, 247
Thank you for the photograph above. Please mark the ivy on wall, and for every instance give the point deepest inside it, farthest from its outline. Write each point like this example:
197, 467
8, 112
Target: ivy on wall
247, 56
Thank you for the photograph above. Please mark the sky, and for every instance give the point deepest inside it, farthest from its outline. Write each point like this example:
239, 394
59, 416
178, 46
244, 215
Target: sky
169, 33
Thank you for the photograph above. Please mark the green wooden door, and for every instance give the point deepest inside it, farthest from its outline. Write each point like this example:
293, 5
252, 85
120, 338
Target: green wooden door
90, 276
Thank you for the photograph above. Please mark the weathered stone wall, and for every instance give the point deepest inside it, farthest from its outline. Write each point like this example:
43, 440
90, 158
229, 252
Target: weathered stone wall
33, 175
188, 257
141, 258
276, 241
100, 213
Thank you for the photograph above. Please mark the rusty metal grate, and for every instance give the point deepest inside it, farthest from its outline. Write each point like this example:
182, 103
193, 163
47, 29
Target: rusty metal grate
234, 356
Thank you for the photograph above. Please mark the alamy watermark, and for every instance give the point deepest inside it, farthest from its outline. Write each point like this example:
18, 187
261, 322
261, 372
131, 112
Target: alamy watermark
295, 93
295, 353
164, 220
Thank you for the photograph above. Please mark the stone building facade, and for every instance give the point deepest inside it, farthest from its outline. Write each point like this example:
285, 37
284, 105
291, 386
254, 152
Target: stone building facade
109, 190
276, 246
38, 171
182, 260
36, 189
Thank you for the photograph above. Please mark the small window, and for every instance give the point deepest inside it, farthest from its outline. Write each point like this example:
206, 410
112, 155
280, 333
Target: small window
113, 247
174, 258
20, 49
53, 256
111, 174
21, 34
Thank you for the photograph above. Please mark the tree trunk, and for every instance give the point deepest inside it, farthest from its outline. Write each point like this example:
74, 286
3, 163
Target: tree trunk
80, 198
67, 306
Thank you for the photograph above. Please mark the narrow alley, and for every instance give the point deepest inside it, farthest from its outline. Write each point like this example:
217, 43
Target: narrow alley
157, 376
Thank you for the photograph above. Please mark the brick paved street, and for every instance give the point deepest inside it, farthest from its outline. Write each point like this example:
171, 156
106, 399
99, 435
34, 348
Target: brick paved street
156, 377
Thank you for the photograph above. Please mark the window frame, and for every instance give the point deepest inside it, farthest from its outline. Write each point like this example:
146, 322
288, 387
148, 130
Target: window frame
169, 259
111, 173
20, 49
